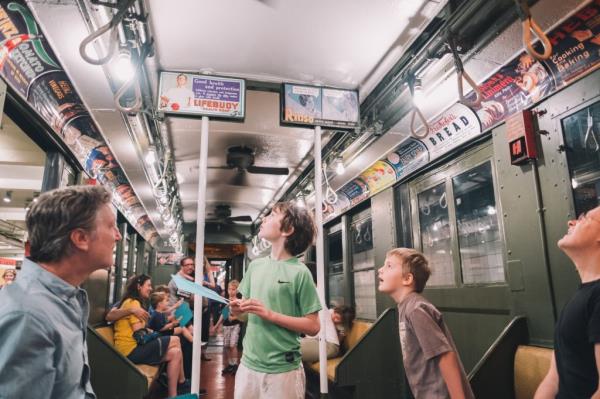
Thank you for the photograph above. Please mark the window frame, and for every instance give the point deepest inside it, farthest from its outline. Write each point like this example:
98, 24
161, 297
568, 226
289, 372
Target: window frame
445, 174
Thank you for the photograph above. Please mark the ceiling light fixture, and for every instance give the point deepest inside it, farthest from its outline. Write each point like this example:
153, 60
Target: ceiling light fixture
123, 66
150, 156
7, 197
418, 95
339, 166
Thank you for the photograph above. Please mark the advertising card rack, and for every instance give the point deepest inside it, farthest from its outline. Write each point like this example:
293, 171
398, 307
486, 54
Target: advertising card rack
194, 95
311, 106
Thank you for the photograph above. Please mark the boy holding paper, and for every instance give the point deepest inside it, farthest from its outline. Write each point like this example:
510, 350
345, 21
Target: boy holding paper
282, 302
164, 318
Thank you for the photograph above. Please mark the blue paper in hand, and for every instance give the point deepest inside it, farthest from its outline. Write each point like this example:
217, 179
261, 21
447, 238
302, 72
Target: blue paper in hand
194, 288
184, 314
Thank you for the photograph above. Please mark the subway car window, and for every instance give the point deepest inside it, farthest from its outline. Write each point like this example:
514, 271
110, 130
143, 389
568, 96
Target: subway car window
479, 237
434, 222
363, 265
583, 156
457, 222
336, 282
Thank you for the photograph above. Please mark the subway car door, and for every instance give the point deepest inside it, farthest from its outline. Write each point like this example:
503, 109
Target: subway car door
569, 138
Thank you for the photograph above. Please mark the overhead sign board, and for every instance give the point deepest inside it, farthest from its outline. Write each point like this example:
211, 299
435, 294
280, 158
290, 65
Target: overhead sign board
304, 105
202, 95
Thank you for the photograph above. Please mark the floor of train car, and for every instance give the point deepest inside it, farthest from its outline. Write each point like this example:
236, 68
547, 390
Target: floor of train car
218, 386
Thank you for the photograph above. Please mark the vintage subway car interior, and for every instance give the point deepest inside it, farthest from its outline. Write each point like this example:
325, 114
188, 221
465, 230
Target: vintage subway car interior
446, 127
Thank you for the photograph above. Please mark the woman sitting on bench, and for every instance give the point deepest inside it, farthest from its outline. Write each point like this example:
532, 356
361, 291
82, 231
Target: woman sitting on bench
140, 345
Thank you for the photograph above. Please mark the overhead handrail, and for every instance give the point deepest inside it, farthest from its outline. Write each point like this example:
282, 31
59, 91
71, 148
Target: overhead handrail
113, 40
529, 25
133, 81
416, 111
462, 74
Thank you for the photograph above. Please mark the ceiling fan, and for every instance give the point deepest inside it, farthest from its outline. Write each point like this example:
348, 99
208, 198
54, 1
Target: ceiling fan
222, 215
242, 158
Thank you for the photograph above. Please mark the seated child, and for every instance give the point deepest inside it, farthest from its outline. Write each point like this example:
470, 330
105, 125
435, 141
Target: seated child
162, 319
336, 327
431, 362
231, 331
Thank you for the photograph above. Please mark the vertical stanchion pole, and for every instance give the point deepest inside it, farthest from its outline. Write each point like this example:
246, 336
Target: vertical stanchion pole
200, 221
320, 261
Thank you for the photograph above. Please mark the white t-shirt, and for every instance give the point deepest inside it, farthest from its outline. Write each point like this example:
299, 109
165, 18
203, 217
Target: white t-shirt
179, 95
330, 331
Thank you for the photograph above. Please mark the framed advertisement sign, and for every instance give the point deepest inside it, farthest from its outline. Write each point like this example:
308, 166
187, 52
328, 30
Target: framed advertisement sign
202, 95
310, 106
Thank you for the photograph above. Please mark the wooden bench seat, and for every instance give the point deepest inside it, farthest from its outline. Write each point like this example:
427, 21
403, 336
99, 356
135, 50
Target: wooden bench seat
531, 366
359, 328
107, 332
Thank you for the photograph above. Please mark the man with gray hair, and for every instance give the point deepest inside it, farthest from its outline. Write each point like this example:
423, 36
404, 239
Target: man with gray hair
44, 314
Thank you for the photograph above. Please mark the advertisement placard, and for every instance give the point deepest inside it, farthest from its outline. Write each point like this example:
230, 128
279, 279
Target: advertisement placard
311, 106
515, 86
454, 127
576, 45
202, 95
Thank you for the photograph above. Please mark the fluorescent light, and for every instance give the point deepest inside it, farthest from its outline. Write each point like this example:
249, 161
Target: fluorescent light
418, 95
150, 156
123, 67
339, 167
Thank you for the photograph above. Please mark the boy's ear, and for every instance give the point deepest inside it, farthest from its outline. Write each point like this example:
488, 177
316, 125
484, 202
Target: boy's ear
408, 279
287, 233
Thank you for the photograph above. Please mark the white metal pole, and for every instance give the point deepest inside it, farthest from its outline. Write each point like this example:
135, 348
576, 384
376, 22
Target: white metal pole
200, 221
320, 260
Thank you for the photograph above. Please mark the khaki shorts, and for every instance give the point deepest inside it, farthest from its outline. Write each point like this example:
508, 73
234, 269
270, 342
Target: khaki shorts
231, 335
250, 384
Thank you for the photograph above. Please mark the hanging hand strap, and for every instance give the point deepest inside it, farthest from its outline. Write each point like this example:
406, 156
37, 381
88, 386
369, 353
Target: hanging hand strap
113, 40
416, 111
529, 25
331, 196
133, 81
462, 74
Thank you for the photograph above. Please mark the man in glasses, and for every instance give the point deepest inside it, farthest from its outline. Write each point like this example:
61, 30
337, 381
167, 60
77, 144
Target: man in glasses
574, 369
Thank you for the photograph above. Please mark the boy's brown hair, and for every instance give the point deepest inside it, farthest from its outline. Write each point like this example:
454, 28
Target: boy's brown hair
415, 263
161, 288
156, 298
301, 221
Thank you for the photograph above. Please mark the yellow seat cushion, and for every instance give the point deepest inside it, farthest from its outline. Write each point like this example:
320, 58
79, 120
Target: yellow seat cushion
359, 328
109, 335
331, 366
531, 366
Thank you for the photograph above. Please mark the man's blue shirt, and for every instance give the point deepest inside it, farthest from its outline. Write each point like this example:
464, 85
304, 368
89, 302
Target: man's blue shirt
43, 322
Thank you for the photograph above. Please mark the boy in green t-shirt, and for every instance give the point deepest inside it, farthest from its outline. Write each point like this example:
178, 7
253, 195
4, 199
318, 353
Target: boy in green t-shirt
282, 302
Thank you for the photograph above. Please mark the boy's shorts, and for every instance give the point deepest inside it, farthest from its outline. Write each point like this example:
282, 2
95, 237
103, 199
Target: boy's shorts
250, 384
231, 335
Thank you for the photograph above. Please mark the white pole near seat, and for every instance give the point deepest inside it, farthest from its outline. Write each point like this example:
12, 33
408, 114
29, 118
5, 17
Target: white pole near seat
320, 260
200, 221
